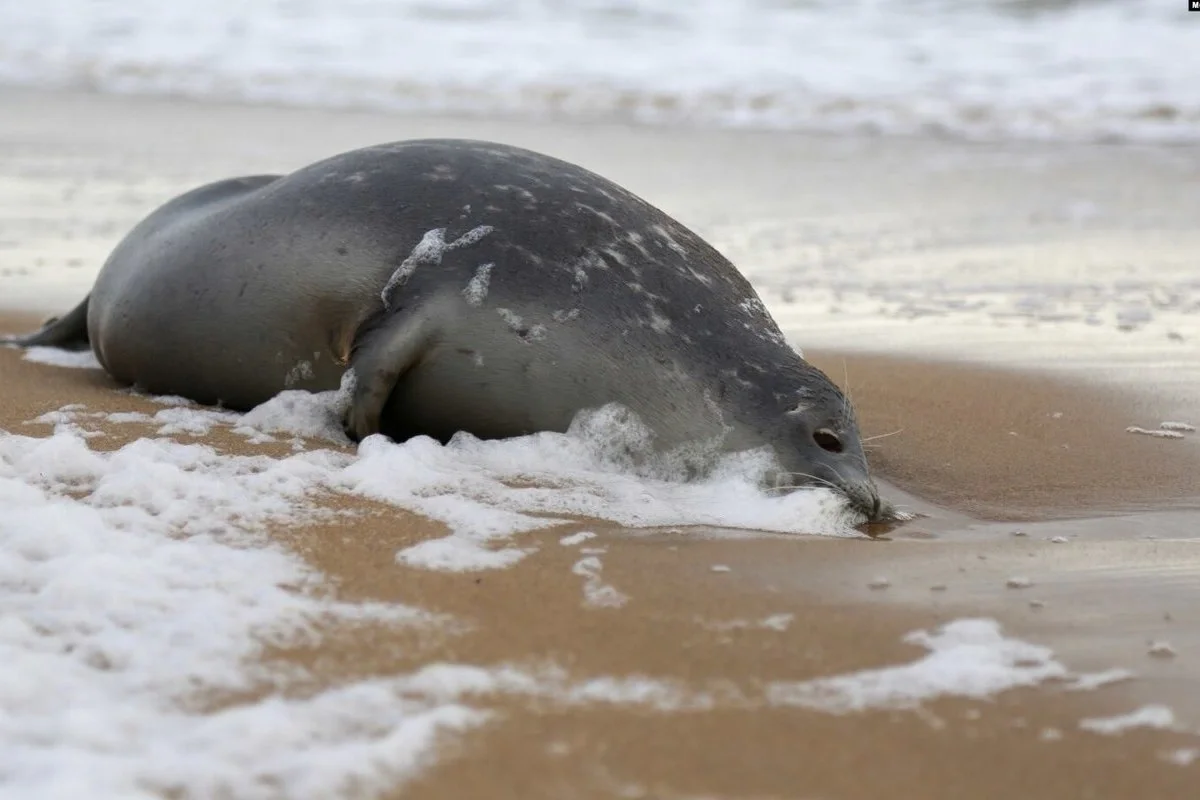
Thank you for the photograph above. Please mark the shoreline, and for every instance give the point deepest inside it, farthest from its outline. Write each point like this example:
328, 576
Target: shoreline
658, 662
915, 409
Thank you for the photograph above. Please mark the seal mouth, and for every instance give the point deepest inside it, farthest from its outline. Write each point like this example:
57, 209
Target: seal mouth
876, 514
864, 498
857, 488
885, 512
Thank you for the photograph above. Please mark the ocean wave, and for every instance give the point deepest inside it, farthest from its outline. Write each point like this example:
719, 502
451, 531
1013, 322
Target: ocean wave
1041, 69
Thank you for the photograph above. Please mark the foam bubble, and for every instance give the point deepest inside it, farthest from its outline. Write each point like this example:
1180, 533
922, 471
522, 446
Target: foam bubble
1149, 716
967, 658
486, 491
429, 251
56, 357
596, 593
477, 288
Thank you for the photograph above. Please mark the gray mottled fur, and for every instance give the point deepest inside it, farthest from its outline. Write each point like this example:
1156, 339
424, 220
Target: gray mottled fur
472, 286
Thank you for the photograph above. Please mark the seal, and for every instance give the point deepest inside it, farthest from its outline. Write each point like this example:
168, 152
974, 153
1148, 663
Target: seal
471, 286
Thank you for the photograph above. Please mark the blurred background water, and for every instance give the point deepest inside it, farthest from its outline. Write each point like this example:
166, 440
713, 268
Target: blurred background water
1043, 69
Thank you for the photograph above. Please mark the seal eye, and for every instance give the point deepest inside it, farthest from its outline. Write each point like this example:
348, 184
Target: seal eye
827, 440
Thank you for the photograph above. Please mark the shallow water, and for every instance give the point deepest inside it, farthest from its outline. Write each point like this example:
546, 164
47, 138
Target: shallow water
985, 68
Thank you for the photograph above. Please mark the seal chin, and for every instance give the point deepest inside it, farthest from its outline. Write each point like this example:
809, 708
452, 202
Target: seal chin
858, 489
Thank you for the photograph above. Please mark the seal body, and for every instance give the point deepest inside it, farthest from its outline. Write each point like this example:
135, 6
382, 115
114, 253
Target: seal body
471, 286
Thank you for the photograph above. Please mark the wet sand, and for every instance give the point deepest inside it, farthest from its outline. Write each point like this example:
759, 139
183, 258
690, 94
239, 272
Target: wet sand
1107, 525
1105, 592
1007, 444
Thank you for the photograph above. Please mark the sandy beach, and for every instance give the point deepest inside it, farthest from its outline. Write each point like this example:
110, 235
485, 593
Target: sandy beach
1054, 565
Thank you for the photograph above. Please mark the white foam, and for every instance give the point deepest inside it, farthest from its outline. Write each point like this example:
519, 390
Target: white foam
135, 584
477, 288
429, 251
1082, 71
968, 658
1095, 680
511, 319
165, 399
1181, 757
300, 413
597, 593
1158, 433
138, 581
126, 417
1160, 649
294, 412
74, 359
774, 622
777, 622
451, 682
603, 467
189, 421
1149, 716
466, 484
65, 420
576, 538
466, 549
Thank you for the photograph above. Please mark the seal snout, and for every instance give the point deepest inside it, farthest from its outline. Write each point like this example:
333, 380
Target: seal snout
864, 497
857, 487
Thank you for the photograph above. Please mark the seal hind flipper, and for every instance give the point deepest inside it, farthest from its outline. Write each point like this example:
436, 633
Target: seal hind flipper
380, 358
69, 332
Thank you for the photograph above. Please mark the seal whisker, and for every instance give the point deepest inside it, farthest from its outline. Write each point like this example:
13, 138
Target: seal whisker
882, 436
847, 395
793, 488
821, 481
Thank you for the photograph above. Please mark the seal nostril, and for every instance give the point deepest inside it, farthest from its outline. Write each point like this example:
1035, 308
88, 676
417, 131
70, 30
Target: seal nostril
827, 440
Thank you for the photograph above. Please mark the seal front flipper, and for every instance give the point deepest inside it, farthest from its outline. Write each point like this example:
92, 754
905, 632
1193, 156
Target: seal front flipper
380, 359
69, 332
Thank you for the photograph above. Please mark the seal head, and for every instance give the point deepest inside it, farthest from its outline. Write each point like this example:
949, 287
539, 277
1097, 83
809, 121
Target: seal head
819, 445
